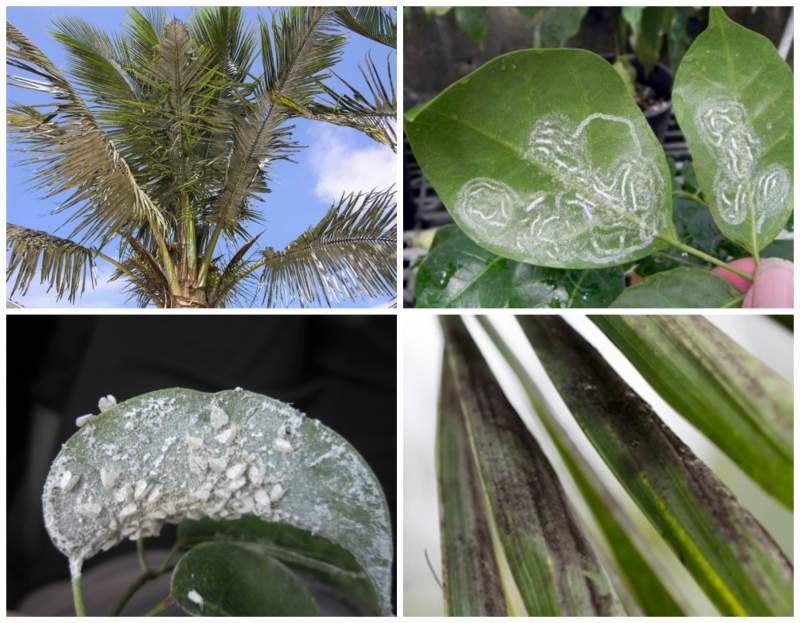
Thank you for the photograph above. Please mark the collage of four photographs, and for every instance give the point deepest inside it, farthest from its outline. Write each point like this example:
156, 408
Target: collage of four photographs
244, 385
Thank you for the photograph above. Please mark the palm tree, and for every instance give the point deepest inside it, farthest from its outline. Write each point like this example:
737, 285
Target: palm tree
162, 141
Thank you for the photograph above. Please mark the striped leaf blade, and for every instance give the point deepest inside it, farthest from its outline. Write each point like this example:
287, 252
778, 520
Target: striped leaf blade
736, 400
730, 555
636, 571
471, 578
552, 562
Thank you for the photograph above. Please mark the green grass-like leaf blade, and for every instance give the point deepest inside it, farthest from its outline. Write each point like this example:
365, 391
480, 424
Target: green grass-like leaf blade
553, 564
471, 578
730, 555
737, 401
636, 571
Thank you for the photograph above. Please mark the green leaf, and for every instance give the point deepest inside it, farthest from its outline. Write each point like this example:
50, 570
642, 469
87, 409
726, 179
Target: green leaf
472, 580
648, 26
783, 249
678, 37
739, 403
175, 454
553, 564
733, 101
542, 157
623, 536
237, 579
554, 26
474, 21
681, 287
730, 555
458, 273
305, 553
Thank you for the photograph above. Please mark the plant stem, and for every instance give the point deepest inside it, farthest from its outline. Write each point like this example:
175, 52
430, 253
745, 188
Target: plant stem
77, 597
144, 578
693, 196
708, 258
140, 555
160, 606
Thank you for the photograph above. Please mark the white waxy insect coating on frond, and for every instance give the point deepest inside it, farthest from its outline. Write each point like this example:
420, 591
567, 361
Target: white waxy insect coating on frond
170, 455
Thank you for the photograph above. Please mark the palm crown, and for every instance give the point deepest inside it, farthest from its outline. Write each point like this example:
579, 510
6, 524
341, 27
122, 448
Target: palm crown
162, 140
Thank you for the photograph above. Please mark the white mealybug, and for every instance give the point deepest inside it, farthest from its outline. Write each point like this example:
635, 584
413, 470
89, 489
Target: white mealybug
276, 493
140, 490
106, 402
89, 509
194, 596
198, 463
227, 435
235, 485
154, 496
256, 474
84, 419
262, 500
194, 442
282, 445
217, 465
123, 494
68, 481
108, 477
234, 471
217, 417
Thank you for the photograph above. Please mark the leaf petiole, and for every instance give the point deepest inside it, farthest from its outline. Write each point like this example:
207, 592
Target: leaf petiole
706, 257
77, 597
144, 578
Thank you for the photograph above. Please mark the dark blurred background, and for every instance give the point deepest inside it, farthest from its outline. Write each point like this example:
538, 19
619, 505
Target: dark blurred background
340, 370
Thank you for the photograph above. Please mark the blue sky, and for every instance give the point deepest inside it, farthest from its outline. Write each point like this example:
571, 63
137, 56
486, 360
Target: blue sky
336, 159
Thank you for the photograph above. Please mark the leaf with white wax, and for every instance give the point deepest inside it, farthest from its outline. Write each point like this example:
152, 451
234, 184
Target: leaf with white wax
179, 454
733, 101
542, 157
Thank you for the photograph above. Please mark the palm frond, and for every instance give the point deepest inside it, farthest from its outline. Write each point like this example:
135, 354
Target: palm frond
96, 61
72, 154
349, 254
145, 28
63, 264
224, 31
297, 49
374, 22
374, 113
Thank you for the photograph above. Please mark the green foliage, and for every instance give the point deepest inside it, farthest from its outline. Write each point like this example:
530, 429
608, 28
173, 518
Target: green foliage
236, 579
733, 101
553, 26
474, 21
632, 559
552, 562
309, 555
680, 288
355, 240
743, 406
163, 139
472, 582
458, 273
565, 173
521, 164
730, 555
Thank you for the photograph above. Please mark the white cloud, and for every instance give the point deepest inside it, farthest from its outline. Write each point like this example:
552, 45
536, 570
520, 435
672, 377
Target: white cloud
342, 166
105, 294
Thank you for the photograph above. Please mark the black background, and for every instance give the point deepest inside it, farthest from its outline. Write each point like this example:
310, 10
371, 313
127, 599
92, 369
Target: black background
338, 369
